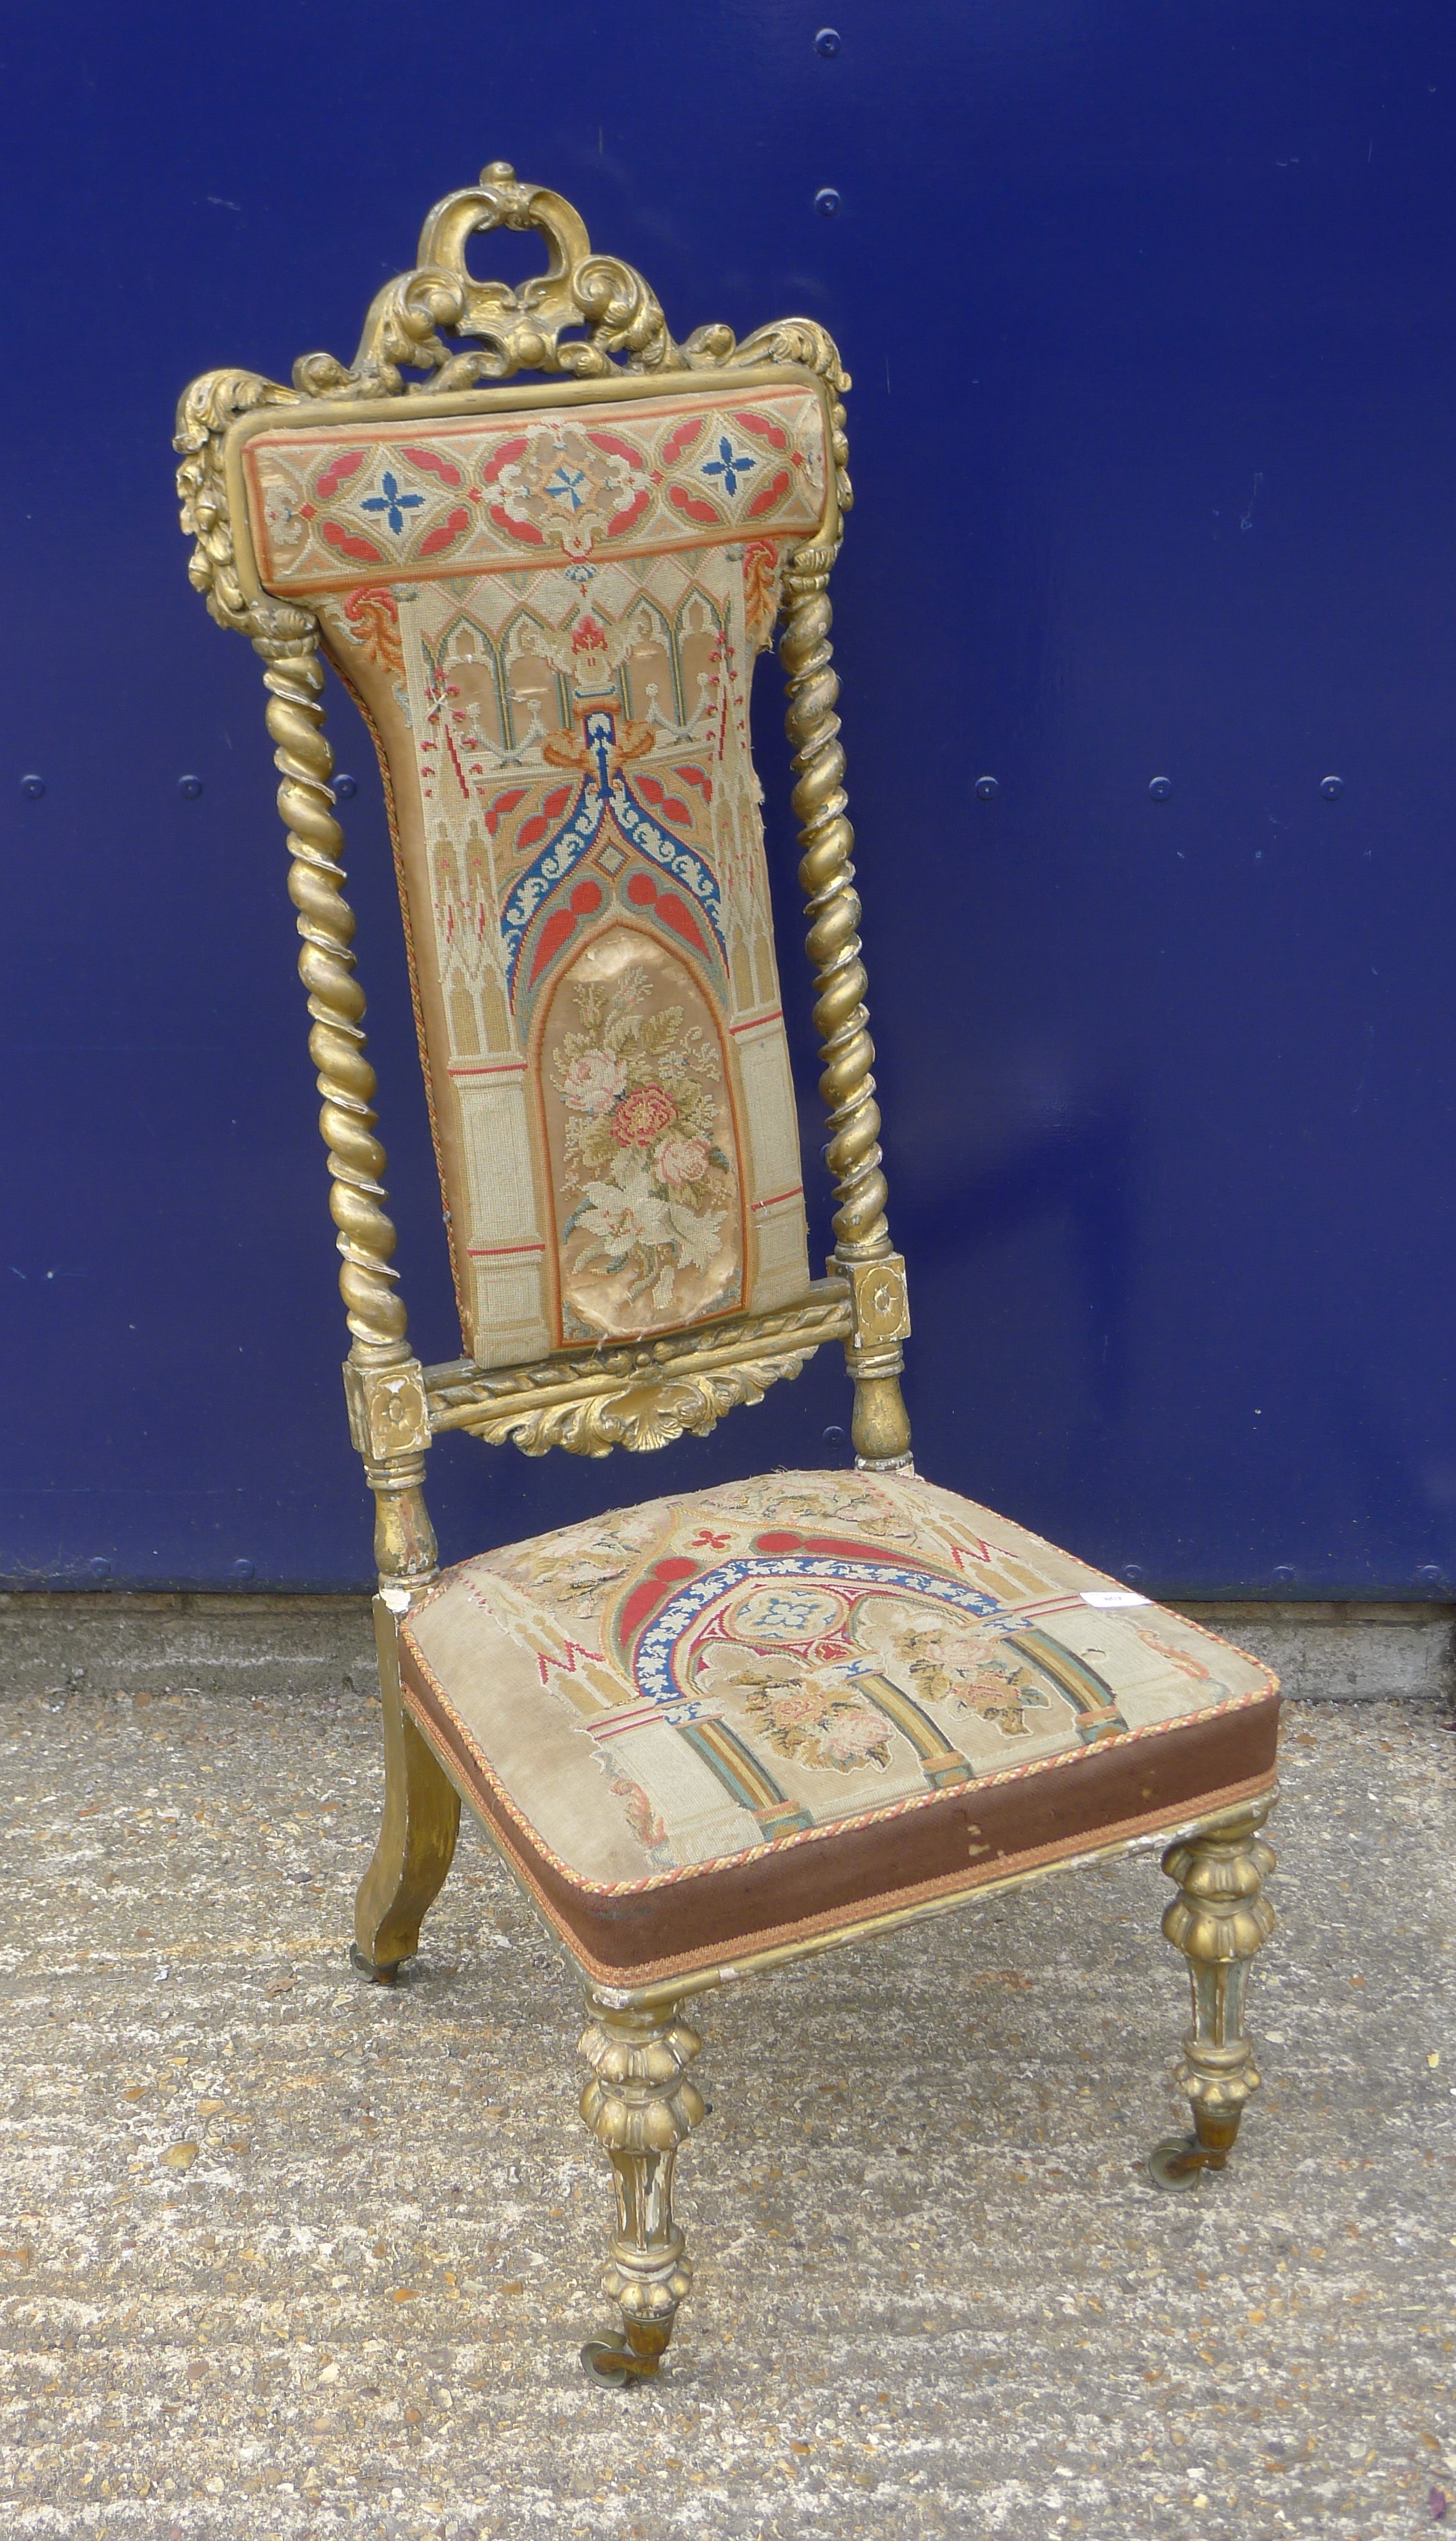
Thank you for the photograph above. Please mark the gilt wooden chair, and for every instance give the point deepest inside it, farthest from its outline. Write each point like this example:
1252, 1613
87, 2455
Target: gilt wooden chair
716, 1733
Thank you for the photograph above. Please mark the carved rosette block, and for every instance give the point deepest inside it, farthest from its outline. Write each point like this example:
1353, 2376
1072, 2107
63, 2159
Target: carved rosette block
1218, 1920
640, 2106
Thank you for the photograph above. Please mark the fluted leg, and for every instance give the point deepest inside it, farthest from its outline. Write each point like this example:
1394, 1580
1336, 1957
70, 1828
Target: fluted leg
417, 1838
640, 2106
1220, 1918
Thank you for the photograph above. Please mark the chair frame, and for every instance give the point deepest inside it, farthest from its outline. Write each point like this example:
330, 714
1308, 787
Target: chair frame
639, 2103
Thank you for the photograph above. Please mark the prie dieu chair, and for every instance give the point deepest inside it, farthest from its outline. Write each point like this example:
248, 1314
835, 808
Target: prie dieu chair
718, 1732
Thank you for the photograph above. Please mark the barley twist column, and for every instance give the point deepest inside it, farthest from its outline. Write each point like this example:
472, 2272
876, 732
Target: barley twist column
387, 1396
862, 1251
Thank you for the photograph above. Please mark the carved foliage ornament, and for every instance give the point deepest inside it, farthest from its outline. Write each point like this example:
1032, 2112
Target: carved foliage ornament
635, 1398
586, 316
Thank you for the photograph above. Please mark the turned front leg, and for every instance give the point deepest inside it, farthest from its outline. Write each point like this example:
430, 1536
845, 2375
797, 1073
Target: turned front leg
640, 2107
1218, 1920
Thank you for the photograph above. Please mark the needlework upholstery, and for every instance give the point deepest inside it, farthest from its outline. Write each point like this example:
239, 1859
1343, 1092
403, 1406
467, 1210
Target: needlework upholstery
550, 619
706, 1721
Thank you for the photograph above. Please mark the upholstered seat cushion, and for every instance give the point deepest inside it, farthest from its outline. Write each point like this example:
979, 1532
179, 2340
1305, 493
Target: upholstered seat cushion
707, 1725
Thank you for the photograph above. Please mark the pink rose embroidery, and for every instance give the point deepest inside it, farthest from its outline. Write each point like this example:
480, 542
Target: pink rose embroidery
594, 1081
682, 1160
642, 1115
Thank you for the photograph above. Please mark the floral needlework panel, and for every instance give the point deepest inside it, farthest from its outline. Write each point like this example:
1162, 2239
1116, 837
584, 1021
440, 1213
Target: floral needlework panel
551, 622
683, 1684
644, 1153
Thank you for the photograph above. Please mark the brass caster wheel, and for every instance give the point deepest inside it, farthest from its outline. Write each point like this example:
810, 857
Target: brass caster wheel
365, 1967
609, 2363
1178, 2162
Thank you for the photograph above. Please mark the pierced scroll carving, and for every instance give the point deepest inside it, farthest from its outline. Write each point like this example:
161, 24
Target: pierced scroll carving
531, 327
635, 1397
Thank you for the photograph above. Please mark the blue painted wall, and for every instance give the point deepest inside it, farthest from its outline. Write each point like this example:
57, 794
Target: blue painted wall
1150, 316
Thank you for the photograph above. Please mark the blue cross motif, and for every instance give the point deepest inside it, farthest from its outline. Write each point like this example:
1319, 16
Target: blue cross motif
563, 485
391, 503
729, 464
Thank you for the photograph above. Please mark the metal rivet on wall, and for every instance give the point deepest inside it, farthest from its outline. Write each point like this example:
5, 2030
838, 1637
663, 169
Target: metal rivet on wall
827, 201
344, 789
1429, 1575
1282, 1573
1161, 788
243, 1568
1332, 787
100, 1567
33, 787
1133, 1573
988, 787
829, 42
189, 787
834, 1435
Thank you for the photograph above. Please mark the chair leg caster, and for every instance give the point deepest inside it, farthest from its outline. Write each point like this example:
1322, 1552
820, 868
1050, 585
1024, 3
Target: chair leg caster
615, 2363
1178, 2162
387, 1975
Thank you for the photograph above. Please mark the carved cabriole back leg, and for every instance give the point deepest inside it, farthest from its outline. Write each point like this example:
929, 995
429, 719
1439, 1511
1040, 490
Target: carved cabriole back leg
863, 1252
417, 1836
1218, 1920
640, 2106
386, 1391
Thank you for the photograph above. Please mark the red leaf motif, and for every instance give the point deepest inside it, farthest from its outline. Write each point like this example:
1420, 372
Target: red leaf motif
446, 535
667, 804
681, 438
770, 494
619, 449
525, 530
694, 507
779, 1540
763, 428
559, 925
695, 776
632, 511
650, 1592
501, 457
335, 472
503, 804
550, 812
349, 543
433, 464
675, 913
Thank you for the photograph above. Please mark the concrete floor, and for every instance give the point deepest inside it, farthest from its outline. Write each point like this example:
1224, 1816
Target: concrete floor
284, 2254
